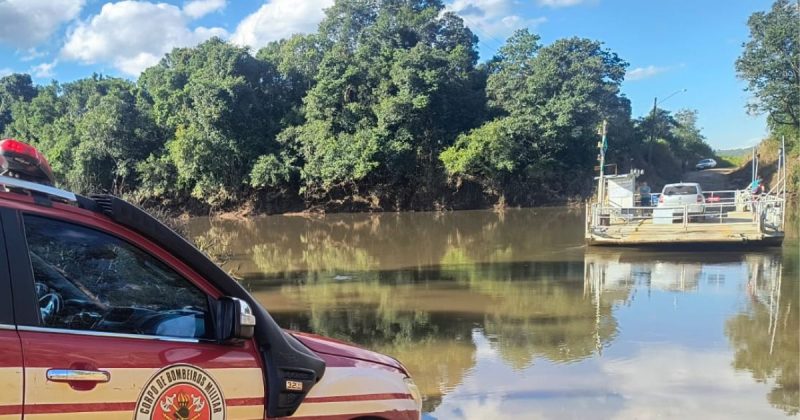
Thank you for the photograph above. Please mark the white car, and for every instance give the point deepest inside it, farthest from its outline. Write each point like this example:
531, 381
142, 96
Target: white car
706, 164
687, 194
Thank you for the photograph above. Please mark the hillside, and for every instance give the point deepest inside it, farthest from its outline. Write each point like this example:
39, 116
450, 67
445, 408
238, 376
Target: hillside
741, 152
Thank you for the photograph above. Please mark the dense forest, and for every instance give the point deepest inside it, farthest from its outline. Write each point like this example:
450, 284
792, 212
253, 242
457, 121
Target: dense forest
385, 107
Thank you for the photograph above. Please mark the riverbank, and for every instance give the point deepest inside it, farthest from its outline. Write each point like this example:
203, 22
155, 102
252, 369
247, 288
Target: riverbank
710, 180
461, 195
465, 196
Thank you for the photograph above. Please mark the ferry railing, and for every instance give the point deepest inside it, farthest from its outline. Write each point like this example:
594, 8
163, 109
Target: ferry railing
710, 197
770, 212
765, 211
684, 214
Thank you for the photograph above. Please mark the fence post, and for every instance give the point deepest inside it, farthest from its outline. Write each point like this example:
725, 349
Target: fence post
685, 217
589, 219
758, 213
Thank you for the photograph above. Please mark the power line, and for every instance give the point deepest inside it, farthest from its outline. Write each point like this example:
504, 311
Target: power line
481, 35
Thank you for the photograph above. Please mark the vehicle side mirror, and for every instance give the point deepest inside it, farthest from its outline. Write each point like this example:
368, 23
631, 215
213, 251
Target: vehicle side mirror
235, 320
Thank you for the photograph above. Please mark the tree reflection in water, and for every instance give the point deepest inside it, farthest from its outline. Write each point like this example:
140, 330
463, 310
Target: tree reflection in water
421, 286
766, 337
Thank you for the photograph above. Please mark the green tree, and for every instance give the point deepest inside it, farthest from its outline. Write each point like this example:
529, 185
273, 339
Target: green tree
552, 100
216, 101
384, 107
92, 131
770, 64
396, 86
671, 143
14, 88
113, 135
690, 141
297, 61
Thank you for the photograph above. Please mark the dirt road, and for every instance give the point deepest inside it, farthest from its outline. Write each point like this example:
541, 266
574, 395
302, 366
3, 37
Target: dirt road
712, 179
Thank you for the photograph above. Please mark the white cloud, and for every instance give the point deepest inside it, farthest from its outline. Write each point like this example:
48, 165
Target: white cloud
32, 54
26, 23
199, 8
133, 35
678, 378
278, 19
490, 19
5, 71
640, 73
633, 380
560, 3
44, 70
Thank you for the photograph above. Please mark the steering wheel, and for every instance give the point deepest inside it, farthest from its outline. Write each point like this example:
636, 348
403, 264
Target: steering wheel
50, 304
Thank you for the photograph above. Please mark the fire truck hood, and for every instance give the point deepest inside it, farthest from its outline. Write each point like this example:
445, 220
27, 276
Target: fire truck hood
324, 345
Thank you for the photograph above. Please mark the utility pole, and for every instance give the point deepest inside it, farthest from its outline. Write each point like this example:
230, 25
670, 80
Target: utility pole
601, 186
652, 131
654, 123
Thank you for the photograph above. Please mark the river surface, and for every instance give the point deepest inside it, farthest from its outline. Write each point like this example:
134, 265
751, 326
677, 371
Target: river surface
508, 315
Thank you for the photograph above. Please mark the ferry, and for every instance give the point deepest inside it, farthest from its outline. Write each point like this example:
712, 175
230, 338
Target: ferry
733, 218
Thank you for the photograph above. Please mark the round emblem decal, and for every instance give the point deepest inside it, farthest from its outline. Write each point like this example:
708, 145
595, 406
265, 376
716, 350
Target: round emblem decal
181, 392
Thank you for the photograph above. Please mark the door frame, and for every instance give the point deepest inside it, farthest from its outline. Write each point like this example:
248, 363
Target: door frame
27, 313
11, 364
21, 270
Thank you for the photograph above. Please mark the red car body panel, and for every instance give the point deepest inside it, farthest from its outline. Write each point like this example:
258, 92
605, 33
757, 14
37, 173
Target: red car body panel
131, 362
11, 380
325, 346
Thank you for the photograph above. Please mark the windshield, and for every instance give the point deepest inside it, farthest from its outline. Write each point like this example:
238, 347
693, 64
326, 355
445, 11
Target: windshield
680, 190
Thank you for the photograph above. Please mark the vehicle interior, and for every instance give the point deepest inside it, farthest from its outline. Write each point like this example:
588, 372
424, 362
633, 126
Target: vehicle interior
67, 304
86, 280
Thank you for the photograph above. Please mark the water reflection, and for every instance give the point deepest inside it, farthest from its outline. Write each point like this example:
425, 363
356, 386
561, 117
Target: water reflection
509, 315
763, 330
765, 338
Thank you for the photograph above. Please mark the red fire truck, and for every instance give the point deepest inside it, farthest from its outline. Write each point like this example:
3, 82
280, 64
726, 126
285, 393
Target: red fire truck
106, 313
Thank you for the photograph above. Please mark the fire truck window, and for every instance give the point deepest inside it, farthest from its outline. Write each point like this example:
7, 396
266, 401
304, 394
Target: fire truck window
88, 280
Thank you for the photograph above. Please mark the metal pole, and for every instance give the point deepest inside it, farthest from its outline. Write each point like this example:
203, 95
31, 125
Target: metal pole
685, 217
601, 187
588, 225
783, 169
756, 166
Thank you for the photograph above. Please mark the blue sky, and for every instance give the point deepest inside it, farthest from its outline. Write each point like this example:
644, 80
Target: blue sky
670, 45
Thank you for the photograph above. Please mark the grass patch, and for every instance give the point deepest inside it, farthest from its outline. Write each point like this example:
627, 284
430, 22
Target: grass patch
732, 161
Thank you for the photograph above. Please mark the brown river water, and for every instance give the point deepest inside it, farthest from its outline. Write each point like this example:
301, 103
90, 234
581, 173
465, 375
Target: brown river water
508, 315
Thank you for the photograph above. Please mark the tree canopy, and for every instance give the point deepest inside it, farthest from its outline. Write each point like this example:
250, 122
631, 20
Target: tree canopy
550, 102
385, 107
770, 64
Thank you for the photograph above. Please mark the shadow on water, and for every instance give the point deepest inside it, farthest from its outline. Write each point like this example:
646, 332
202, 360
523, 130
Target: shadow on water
508, 314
